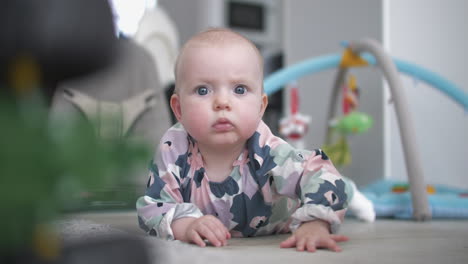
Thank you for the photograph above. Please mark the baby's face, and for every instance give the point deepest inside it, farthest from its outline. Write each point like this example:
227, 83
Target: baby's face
219, 99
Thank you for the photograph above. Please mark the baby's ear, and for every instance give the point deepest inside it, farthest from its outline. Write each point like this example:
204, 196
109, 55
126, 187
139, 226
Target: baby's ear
264, 103
175, 106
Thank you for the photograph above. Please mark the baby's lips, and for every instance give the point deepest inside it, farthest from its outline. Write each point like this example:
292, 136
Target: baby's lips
223, 124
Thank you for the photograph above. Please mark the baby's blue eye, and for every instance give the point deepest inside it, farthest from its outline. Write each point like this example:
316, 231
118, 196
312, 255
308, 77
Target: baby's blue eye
202, 90
240, 89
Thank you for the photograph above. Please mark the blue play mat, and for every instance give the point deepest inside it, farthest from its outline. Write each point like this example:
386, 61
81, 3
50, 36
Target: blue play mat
391, 201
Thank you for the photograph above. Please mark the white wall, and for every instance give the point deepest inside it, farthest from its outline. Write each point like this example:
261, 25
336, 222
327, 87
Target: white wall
432, 34
191, 17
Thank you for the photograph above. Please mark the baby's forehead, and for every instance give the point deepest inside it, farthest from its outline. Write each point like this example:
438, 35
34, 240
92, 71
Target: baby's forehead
216, 44
218, 47
217, 39
221, 38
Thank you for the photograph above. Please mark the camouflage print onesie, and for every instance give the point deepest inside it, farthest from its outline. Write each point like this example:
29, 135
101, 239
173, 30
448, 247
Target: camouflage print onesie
272, 188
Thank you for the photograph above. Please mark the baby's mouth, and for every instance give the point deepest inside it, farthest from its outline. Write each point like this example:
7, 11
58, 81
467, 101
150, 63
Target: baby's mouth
222, 125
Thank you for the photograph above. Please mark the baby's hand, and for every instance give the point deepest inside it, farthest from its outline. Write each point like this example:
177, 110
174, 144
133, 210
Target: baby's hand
312, 235
207, 227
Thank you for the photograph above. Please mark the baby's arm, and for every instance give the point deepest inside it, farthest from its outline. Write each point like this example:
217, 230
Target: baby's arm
323, 194
166, 210
312, 235
196, 230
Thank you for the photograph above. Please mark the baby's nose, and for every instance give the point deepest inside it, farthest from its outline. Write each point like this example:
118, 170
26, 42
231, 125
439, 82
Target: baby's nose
222, 102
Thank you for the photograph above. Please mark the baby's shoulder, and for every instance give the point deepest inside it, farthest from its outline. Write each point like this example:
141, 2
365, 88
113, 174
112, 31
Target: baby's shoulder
173, 144
176, 135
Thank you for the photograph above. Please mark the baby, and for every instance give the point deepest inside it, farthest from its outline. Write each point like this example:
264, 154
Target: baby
221, 173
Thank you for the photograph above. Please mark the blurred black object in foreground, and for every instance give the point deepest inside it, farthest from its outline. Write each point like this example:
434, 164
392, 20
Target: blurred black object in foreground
62, 38
107, 250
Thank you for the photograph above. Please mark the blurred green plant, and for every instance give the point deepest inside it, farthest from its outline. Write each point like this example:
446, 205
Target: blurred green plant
47, 168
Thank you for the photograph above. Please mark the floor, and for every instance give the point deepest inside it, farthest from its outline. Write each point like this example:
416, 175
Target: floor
384, 241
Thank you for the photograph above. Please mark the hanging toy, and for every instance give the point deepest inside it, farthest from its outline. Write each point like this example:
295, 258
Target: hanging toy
295, 125
352, 122
350, 95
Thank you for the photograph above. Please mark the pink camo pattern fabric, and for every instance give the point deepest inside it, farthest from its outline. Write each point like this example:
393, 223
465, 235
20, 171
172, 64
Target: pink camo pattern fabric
272, 188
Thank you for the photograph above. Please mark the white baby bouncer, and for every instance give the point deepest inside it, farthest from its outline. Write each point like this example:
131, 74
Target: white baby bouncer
127, 99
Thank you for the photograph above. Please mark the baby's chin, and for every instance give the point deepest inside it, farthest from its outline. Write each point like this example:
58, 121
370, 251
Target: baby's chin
227, 140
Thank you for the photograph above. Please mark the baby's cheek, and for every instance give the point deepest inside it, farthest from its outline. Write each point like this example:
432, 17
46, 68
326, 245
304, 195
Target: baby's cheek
198, 128
249, 125
196, 123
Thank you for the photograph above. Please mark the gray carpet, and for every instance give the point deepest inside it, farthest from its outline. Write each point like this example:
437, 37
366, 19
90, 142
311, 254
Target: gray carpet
385, 241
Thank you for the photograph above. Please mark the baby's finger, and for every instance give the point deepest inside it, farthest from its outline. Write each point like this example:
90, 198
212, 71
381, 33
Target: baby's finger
289, 242
210, 236
300, 244
224, 229
311, 245
196, 239
220, 234
227, 236
339, 238
329, 243
219, 230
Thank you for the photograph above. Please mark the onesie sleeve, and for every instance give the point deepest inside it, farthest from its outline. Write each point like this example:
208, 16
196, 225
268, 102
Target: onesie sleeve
167, 196
323, 192
309, 176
